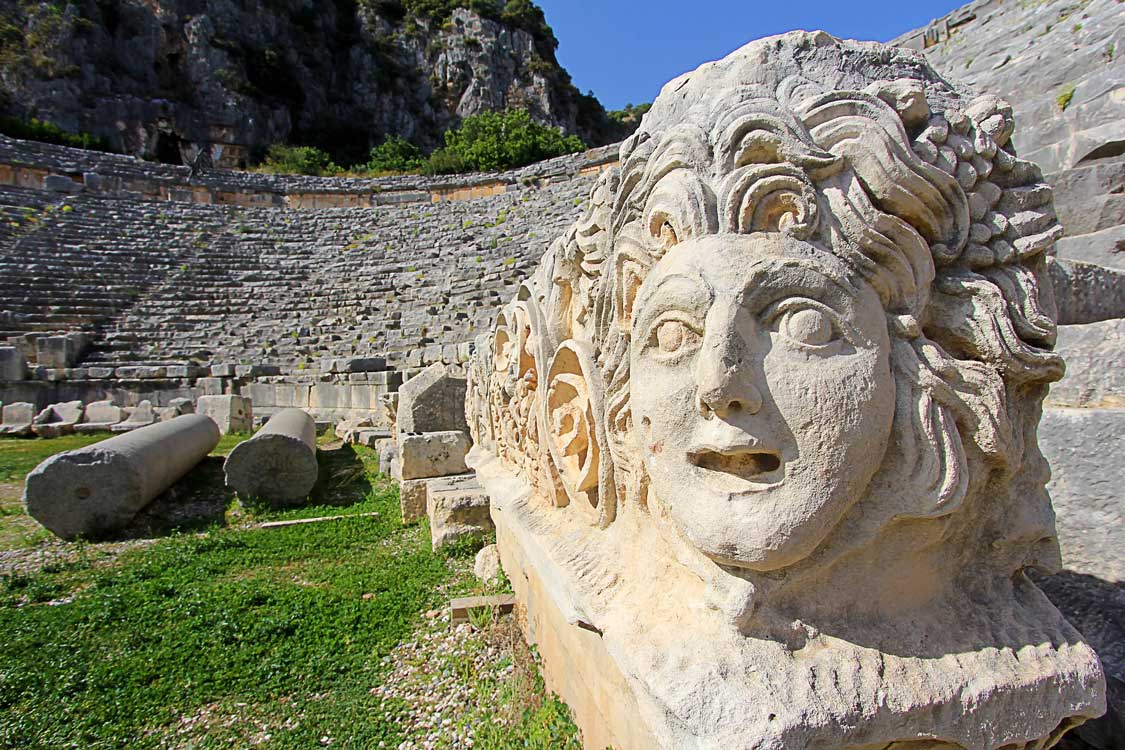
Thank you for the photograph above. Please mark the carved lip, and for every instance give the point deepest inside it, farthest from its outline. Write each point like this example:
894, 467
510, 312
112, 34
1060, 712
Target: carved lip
738, 468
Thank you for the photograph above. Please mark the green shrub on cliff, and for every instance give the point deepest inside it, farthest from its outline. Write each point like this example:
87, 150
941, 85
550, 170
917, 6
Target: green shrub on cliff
494, 141
49, 132
282, 159
396, 155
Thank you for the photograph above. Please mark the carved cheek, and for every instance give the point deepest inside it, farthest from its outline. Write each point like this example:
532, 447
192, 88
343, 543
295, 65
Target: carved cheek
663, 399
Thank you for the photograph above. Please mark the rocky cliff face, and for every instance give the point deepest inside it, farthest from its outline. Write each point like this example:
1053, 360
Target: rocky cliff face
165, 78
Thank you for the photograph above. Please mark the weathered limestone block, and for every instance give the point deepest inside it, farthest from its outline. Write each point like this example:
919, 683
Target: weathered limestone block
58, 419
1084, 448
212, 386
432, 401
231, 413
388, 458
1087, 293
1095, 365
13, 365
349, 429
759, 432
433, 454
412, 499
95, 490
59, 352
457, 514
279, 463
101, 416
486, 565
17, 418
142, 415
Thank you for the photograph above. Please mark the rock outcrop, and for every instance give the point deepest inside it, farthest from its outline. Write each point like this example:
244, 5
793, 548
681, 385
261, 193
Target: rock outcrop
167, 78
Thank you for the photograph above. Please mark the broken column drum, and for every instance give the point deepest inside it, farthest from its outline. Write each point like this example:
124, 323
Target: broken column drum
759, 433
97, 489
278, 464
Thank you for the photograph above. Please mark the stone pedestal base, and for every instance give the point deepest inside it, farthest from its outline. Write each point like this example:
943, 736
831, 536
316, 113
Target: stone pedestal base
576, 664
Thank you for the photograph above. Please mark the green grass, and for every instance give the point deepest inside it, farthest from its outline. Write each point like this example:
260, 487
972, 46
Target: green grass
284, 626
18, 456
238, 636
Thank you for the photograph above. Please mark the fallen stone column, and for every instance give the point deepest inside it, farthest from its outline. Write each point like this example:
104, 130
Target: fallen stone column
279, 463
98, 489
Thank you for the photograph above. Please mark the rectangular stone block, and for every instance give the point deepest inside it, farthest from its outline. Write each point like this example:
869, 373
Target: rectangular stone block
362, 364
231, 413
211, 386
412, 499
99, 373
222, 371
389, 378
13, 365
58, 351
182, 371
460, 608
433, 454
457, 514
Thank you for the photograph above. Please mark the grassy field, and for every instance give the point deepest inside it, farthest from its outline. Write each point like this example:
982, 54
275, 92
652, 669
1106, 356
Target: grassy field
238, 636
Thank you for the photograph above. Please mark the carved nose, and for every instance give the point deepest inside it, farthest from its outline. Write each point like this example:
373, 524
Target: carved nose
725, 390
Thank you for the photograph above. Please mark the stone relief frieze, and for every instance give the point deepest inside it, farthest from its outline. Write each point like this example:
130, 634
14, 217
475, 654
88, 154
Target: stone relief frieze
777, 391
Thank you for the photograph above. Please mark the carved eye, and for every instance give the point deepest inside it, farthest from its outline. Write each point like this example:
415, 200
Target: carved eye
673, 337
806, 324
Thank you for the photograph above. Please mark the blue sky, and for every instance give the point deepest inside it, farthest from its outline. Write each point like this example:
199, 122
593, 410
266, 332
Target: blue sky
625, 51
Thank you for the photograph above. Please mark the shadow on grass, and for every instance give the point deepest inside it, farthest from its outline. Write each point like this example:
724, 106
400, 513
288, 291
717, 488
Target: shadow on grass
198, 501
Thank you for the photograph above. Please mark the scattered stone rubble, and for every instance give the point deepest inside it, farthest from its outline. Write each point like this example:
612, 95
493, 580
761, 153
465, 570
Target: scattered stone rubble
427, 458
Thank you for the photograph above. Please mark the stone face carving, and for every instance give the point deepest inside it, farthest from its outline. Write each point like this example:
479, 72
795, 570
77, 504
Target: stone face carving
764, 420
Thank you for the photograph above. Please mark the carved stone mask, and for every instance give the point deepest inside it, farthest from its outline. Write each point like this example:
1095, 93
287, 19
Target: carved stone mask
762, 393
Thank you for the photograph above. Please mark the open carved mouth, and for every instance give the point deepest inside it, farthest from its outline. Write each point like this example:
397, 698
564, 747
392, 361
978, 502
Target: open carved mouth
738, 465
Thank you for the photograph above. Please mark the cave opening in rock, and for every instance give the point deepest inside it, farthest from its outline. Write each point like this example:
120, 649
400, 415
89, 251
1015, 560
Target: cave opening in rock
167, 149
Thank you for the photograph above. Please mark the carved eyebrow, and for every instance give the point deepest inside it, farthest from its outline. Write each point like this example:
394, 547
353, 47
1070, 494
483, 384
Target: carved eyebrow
674, 290
768, 280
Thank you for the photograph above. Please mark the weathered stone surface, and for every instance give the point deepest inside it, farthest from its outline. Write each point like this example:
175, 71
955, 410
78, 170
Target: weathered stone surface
388, 458
58, 419
17, 419
279, 463
432, 401
412, 498
142, 415
744, 429
167, 82
101, 416
1095, 365
94, 490
1102, 248
1087, 293
1032, 54
1086, 490
457, 514
433, 454
13, 365
231, 413
486, 565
